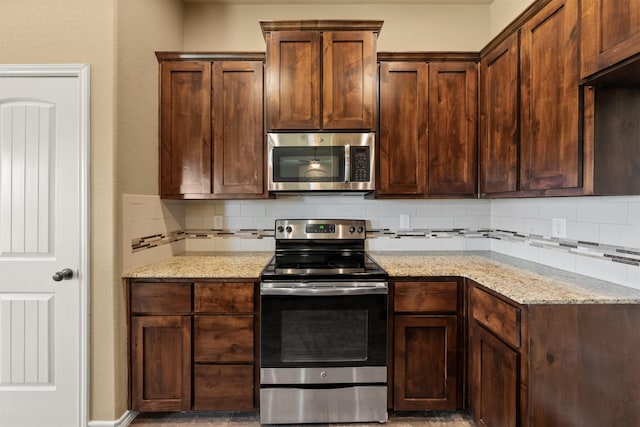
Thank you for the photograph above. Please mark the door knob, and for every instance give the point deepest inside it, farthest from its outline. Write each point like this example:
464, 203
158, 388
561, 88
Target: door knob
65, 274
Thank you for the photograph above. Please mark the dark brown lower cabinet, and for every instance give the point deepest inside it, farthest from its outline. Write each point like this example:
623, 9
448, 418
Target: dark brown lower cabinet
495, 380
161, 363
425, 362
552, 365
192, 345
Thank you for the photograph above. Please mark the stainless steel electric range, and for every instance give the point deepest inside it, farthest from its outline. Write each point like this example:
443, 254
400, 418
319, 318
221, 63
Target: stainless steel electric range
323, 326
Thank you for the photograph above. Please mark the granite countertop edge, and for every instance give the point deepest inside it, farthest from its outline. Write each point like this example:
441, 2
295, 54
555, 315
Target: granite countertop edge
523, 282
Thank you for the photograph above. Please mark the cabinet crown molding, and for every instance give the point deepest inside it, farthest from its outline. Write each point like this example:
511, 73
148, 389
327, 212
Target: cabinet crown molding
321, 25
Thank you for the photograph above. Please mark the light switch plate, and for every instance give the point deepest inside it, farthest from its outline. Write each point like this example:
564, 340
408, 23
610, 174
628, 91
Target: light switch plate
218, 222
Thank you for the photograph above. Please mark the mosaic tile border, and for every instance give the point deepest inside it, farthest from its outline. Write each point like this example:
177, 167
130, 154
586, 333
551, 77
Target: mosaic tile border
619, 254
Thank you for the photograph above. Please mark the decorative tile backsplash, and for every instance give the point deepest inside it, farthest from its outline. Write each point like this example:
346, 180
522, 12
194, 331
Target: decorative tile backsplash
603, 233
612, 253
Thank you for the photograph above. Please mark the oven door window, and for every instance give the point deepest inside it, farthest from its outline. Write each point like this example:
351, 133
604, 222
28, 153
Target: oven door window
309, 164
305, 331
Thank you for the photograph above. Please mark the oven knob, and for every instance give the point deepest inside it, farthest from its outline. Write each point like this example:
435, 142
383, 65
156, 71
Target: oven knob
360, 229
352, 229
280, 229
323, 375
289, 229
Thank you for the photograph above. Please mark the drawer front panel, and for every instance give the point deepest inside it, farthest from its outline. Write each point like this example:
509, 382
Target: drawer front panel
223, 387
224, 297
223, 339
496, 315
160, 297
426, 297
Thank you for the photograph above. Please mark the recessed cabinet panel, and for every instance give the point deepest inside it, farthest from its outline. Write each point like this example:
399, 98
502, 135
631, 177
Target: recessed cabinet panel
404, 92
293, 85
551, 151
453, 129
349, 63
425, 365
499, 122
185, 128
238, 141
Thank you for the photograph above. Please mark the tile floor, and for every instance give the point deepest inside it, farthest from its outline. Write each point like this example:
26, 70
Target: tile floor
252, 419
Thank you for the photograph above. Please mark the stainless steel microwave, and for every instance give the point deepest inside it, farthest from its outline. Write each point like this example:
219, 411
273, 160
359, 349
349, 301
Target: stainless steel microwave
321, 161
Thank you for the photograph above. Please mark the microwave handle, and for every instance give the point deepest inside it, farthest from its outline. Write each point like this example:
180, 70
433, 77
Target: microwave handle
347, 163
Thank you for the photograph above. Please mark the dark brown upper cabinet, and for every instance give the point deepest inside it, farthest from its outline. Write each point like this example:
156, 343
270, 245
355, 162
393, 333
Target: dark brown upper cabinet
610, 39
321, 75
211, 126
530, 139
428, 126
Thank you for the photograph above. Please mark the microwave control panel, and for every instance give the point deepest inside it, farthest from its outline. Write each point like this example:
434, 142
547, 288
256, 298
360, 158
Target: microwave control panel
360, 164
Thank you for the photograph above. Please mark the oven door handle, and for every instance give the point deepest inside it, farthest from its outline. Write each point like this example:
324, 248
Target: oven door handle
311, 290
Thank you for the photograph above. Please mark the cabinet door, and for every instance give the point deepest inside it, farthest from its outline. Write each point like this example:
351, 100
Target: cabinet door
160, 363
499, 118
610, 33
349, 70
425, 366
185, 128
551, 151
453, 128
293, 80
238, 148
493, 381
404, 92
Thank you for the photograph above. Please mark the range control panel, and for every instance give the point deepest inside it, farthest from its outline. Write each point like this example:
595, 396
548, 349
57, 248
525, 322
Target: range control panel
307, 229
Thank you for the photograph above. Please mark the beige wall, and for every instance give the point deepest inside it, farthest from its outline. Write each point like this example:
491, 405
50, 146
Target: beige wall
406, 27
502, 12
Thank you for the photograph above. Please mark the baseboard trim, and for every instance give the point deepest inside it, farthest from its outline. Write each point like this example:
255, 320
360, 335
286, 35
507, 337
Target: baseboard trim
123, 421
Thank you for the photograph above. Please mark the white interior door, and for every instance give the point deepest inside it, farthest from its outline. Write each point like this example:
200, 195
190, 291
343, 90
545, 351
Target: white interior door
43, 230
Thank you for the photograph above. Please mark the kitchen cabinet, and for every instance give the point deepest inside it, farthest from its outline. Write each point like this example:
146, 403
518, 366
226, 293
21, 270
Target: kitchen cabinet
551, 364
427, 345
531, 142
160, 347
321, 74
609, 36
428, 127
192, 345
211, 126
494, 371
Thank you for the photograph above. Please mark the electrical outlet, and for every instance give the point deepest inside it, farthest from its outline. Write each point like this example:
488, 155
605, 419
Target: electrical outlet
559, 227
405, 221
218, 222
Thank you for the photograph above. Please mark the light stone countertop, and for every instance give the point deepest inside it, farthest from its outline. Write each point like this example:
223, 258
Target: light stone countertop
245, 265
522, 281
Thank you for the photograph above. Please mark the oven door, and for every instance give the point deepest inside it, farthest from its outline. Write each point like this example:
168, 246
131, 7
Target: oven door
335, 325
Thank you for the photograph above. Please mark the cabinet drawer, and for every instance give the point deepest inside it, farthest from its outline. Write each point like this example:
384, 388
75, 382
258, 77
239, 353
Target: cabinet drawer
160, 297
223, 387
224, 297
426, 297
223, 339
496, 315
